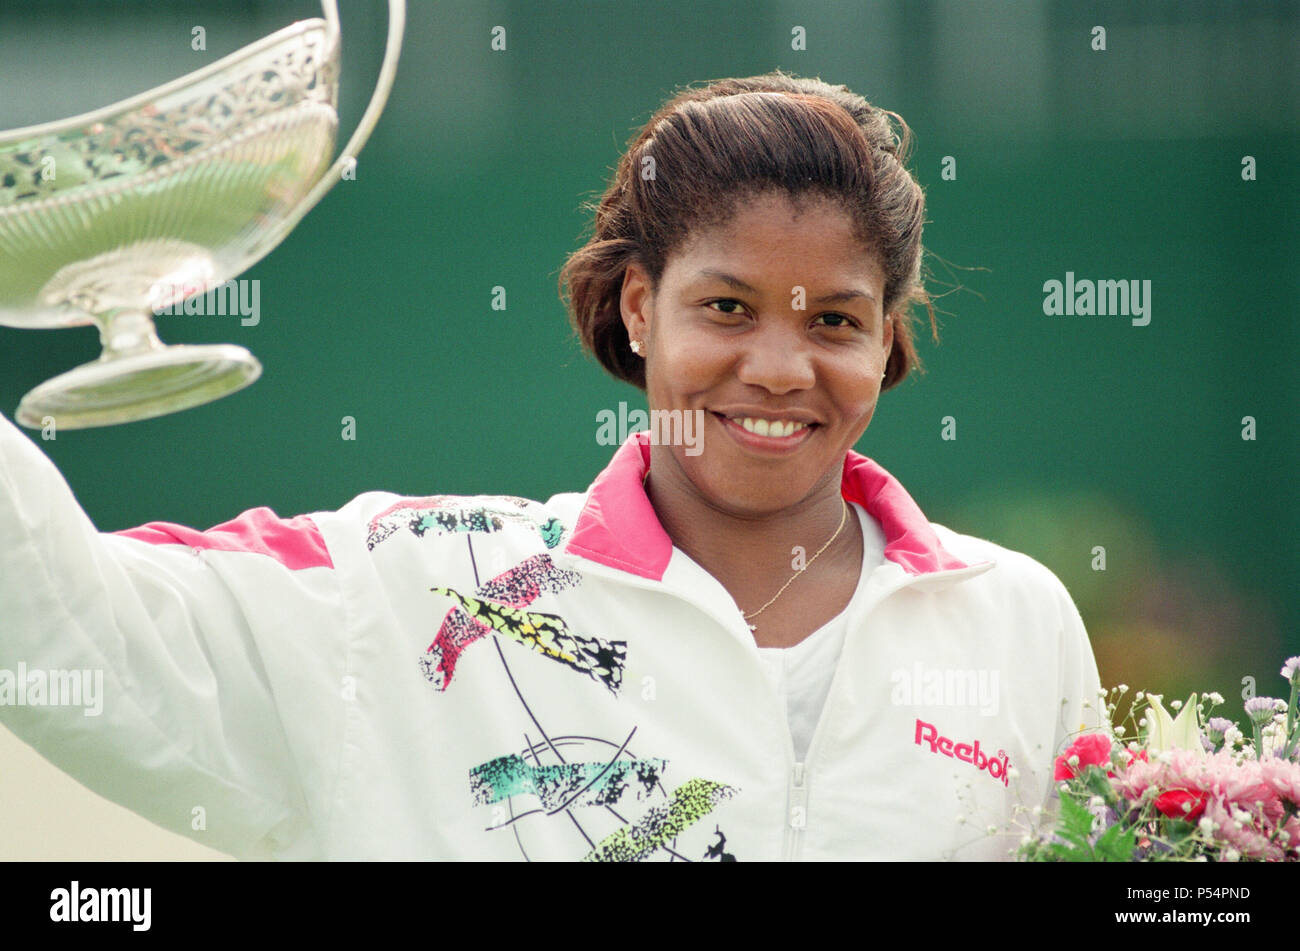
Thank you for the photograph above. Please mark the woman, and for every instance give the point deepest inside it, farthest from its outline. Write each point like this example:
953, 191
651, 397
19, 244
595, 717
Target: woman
747, 646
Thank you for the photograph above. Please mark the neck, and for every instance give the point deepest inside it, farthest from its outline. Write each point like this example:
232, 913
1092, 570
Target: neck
753, 552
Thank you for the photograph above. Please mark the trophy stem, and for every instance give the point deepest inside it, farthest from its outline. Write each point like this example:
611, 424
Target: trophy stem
125, 332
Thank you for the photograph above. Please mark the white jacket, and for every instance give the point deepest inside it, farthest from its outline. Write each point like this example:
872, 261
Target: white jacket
495, 678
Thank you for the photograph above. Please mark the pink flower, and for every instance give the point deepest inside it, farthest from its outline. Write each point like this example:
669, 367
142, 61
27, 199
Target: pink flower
1245, 788
1292, 829
1175, 769
1243, 784
1249, 840
1283, 777
1093, 749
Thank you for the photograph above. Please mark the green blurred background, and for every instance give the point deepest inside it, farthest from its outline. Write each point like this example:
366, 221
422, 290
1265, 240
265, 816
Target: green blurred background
1073, 432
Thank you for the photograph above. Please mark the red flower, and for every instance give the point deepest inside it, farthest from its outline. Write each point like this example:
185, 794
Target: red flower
1185, 804
1093, 749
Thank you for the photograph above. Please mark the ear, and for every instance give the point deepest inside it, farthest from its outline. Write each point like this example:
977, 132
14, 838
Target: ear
636, 303
887, 336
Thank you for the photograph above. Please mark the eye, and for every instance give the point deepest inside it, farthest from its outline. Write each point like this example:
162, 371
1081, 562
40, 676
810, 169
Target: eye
727, 301
838, 320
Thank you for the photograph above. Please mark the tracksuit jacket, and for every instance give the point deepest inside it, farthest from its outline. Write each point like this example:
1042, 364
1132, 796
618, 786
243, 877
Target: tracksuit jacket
493, 678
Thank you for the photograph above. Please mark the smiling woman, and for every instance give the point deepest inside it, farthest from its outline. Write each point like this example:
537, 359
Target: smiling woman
738, 217
755, 259
738, 630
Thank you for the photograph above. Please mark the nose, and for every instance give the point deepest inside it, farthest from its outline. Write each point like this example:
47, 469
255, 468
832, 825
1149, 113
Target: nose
777, 358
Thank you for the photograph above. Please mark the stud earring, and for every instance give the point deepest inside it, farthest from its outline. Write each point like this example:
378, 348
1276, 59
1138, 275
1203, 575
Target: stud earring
637, 348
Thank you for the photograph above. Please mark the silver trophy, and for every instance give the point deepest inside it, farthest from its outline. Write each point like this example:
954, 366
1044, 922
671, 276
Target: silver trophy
112, 217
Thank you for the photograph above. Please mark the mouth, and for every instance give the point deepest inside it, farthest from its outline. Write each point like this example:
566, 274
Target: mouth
767, 435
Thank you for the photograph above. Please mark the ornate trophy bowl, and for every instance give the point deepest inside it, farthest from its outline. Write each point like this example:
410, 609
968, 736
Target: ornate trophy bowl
111, 217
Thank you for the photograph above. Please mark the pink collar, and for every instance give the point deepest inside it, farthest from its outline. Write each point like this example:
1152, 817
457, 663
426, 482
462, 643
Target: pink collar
618, 526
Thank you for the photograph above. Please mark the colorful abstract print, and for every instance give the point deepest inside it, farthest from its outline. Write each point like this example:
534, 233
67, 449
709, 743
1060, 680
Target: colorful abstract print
587, 798
563, 787
690, 802
500, 607
451, 514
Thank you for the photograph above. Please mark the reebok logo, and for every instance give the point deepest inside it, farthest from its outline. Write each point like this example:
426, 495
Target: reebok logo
966, 752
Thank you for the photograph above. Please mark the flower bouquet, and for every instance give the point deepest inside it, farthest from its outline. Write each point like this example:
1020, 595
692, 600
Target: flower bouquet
1178, 792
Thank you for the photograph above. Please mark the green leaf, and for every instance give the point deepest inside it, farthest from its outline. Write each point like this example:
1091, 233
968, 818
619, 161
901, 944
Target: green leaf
1076, 821
1069, 853
1116, 844
1178, 829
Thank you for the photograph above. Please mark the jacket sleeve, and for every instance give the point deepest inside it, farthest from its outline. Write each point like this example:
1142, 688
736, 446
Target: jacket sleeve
208, 663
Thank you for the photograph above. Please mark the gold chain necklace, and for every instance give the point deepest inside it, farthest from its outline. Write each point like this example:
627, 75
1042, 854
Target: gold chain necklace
844, 514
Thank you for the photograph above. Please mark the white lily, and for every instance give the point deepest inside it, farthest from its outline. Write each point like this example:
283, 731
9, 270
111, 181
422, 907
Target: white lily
1182, 732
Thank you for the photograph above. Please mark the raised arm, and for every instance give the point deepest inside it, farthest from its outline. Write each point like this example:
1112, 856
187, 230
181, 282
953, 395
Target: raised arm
193, 677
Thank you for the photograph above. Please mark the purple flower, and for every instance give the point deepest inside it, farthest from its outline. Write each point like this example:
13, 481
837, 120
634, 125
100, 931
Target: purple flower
1261, 709
1216, 727
1291, 670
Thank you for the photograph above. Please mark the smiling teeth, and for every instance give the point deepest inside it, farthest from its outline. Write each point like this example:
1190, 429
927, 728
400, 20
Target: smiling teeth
770, 427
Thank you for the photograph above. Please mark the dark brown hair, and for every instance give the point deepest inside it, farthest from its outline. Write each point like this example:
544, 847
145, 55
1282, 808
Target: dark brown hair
715, 146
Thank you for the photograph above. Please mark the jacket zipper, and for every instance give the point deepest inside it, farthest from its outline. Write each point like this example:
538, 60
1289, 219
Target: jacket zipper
797, 817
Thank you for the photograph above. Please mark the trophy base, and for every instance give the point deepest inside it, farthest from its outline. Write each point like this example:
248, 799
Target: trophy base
123, 389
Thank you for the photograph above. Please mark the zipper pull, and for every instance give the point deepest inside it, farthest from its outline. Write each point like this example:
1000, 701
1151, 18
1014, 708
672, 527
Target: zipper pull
798, 799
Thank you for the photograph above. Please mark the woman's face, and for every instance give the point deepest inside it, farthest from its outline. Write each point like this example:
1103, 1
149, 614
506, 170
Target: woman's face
771, 325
